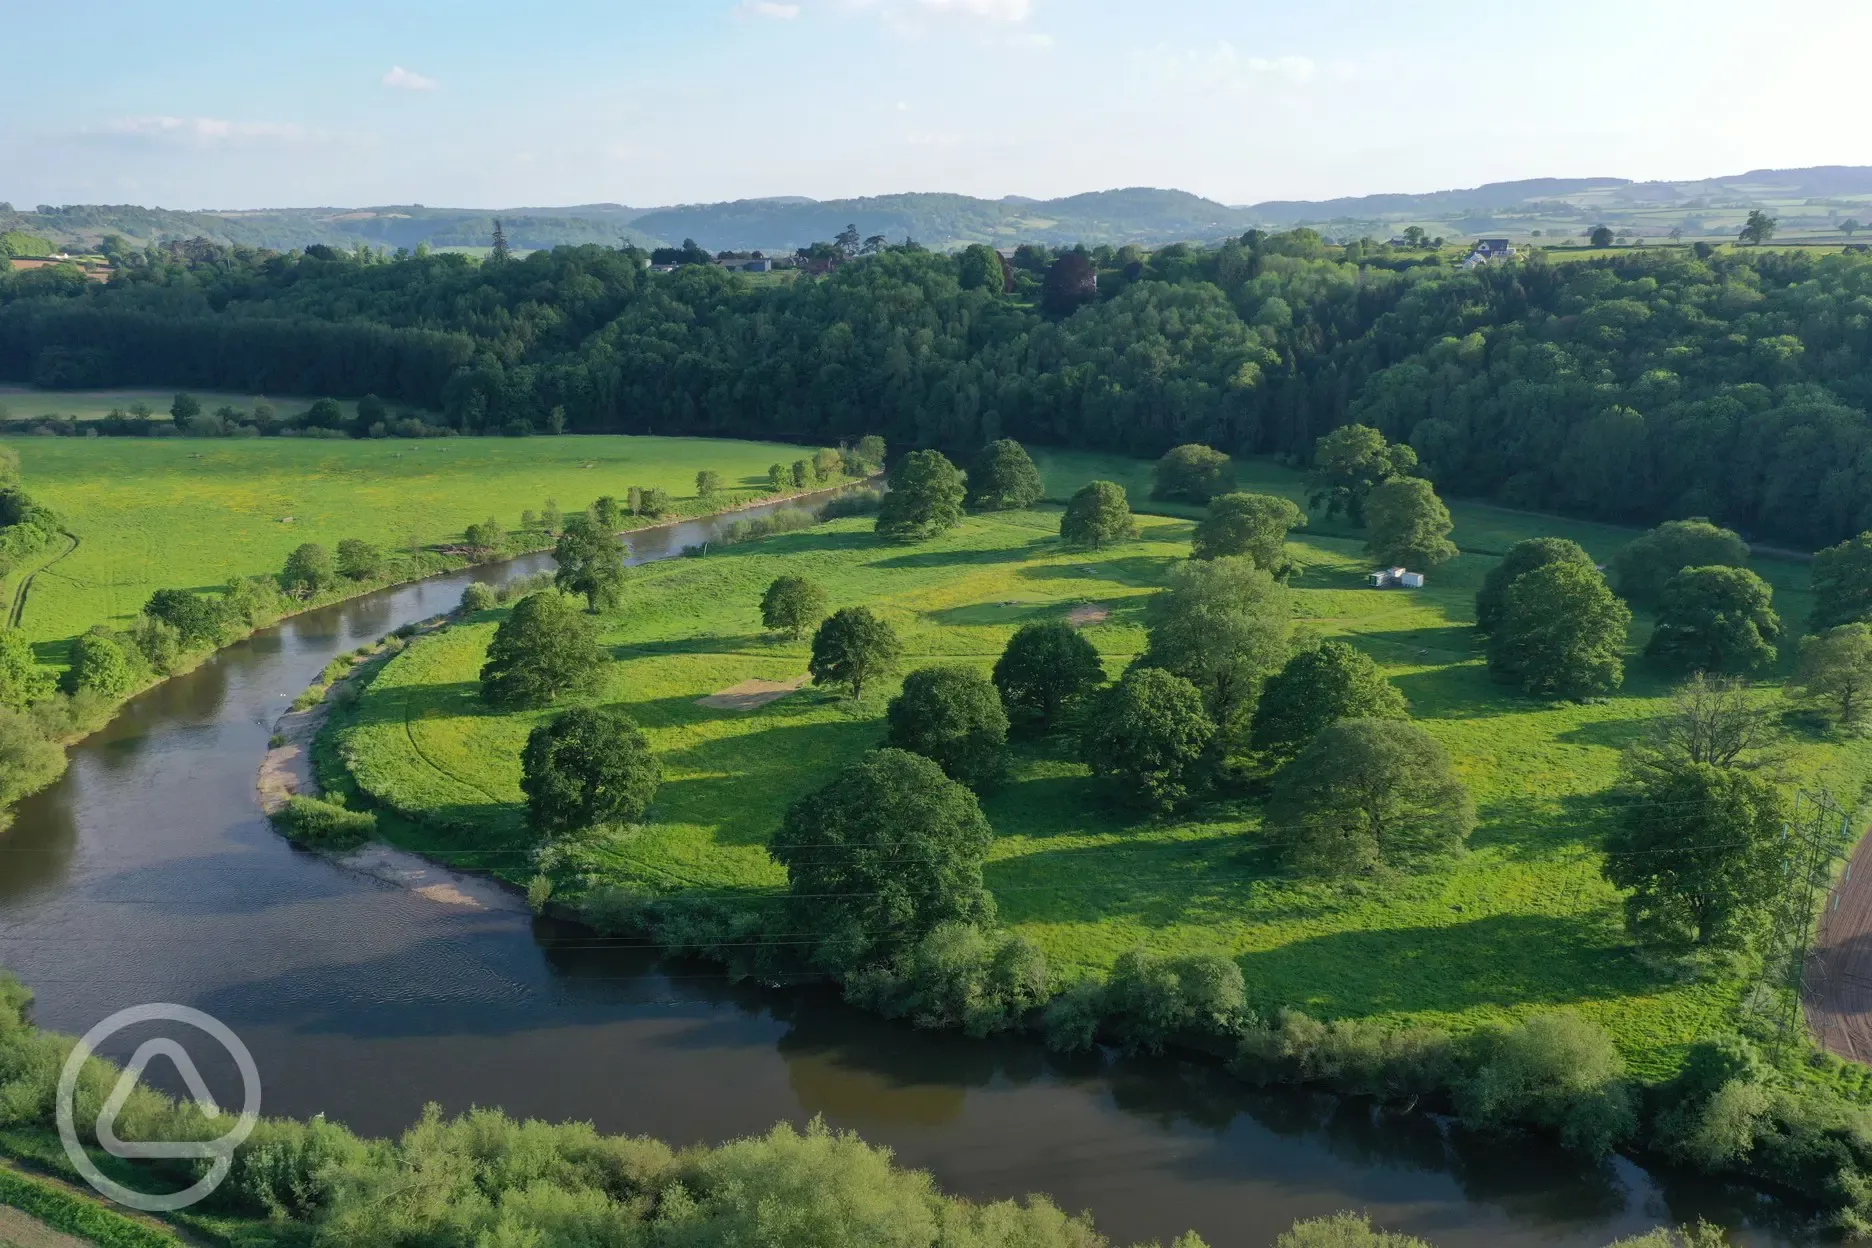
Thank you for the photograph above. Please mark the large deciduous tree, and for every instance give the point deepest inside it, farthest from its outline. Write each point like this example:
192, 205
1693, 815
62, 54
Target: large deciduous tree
1002, 477
1369, 791
925, 498
1255, 525
881, 856
1718, 619
1835, 671
358, 560
1562, 634
1192, 473
792, 605
1046, 669
1701, 849
309, 570
590, 561
854, 647
1317, 687
1221, 624
1151, 733
544, 649
1097, 516
198, 620
1522, 557
953, 715
1349, 463
1842, 583
1643, 567
1070, 284
1407, 524
584, 768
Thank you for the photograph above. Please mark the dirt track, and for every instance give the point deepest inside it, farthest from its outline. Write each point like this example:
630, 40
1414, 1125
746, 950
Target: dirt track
1839, 972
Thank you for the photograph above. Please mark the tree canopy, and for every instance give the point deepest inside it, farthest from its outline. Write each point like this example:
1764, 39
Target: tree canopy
1151, 733
1045, 669
1719, 619
1192, 473
1221, 624
854, 647
1522, 557
881, 856
590, 560
1097, 516
952, 715
1002, 477
1255, 525
544, 649
1349, 463
1319, 686
1842, 583
1562, 633
792, 605
925, 498
1408, 525
1369, 791
1641, 569
587, 767
1835, 671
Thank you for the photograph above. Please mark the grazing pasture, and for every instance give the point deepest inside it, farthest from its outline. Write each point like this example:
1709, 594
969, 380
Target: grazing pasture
151, 513
1523, 922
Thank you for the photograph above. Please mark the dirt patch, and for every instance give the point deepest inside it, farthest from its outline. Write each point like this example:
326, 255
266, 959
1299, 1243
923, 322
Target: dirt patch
17, 1228
1087, 613
1839, 970
752, 693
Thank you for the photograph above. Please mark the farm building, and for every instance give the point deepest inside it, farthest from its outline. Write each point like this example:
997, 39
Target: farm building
1395, 578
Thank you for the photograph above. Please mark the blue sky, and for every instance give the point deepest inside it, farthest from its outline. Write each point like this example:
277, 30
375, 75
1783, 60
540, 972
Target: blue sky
213, 103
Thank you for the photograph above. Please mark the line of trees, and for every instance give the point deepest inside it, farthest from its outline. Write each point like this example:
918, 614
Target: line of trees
1627, 388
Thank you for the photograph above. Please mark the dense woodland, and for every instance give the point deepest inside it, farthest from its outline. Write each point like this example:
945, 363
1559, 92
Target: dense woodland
1653, 385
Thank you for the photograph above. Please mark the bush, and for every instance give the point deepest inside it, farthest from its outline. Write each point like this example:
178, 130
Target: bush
863, 501
29, 761
1351, 1055
98, 663
957, 976
478, 596
1151, 999
359, 560
1343, 1230
309, 571
951, 714
324, 825
1556, 1071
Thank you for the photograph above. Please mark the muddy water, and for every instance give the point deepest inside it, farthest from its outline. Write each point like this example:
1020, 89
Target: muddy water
148, 874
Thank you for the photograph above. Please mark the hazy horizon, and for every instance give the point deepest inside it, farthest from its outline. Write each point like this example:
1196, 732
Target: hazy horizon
233, 108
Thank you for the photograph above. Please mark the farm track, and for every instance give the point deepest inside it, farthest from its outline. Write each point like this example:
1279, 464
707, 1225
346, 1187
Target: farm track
18, 611
1839, 983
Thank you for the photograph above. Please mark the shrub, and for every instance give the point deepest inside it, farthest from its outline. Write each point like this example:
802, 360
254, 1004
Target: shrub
28, 760
1343, 1230
324, 825
99, 664
1151, 999
957, 976
952, 715
1556, 1071
478, 596
1349, 1055
863, 501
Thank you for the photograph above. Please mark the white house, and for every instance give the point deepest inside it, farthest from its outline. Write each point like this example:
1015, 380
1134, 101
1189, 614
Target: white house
1395, 578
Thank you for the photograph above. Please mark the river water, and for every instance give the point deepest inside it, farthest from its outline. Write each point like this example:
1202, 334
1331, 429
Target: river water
149, 874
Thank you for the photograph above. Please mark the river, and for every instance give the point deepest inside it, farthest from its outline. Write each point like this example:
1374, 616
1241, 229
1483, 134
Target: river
149, 874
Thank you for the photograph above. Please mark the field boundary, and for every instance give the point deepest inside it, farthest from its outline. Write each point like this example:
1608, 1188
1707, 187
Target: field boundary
18, 612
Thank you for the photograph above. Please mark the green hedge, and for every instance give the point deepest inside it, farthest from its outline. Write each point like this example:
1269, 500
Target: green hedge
62, 1211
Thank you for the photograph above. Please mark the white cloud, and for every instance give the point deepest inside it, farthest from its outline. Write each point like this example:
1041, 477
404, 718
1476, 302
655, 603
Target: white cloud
408, 80
1222, 68
205, 130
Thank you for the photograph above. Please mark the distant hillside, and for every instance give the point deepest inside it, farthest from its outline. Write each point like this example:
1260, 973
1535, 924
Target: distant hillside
1810, 203
284, 229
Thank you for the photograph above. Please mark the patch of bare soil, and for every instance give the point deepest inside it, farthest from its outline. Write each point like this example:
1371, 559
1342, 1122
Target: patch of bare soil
752, 693
1087, 613
1839, 970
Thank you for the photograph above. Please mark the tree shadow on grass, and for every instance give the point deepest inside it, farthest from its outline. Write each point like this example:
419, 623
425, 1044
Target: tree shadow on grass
807, 541
1528, 828
740, 785
1512, 960
1433, 643
960, 558
1461, 691
1147, 570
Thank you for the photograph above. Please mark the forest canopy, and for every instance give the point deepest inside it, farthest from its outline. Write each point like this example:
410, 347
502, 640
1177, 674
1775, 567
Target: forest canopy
1643, 386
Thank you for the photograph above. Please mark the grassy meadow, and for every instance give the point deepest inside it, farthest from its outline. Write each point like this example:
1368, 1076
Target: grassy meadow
151, 513
1523, 922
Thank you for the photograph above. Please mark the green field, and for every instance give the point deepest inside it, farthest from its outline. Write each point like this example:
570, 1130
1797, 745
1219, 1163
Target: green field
26, 402
156, 512
1522, 923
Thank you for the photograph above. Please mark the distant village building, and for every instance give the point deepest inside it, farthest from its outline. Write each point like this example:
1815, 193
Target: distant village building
1395, 578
